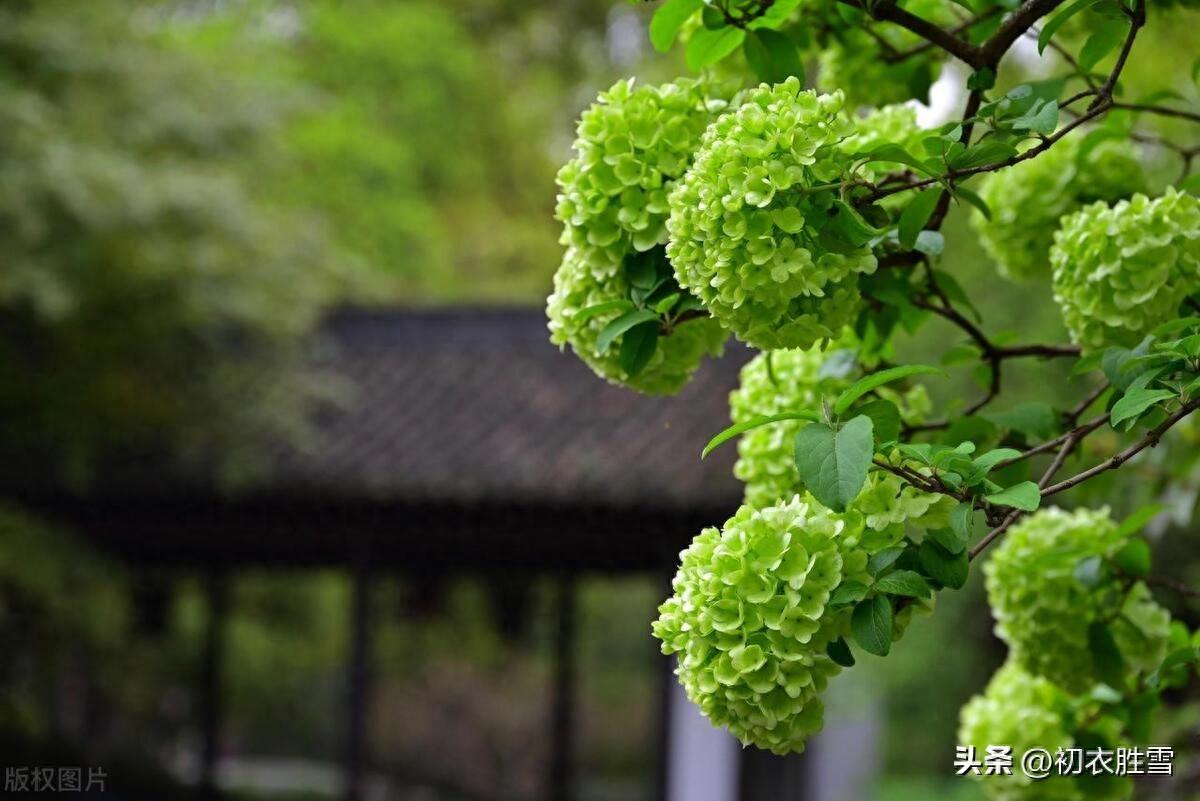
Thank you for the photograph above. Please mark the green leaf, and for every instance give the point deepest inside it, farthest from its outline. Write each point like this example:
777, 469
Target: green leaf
1054, 23
1134, 558
1024, 496
885, 419
1135, 402
773, 56
974, 199
1035, 420
948, 539
896, 154
589, 312
871, 625
948, 569
875, 380
962, 521
1175, 659
851, 225
848, 592
707, 46
903, 582
1103, 41
1043, 120
915, 215
1138, 520
663, 306
622, 324
743, 427
668, 19
882, 560
989, 151
833, 464
984, 78
839, 652
1106, 656
987, 461
637, 347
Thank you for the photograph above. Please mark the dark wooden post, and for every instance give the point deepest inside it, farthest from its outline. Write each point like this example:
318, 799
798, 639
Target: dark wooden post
358, 678
216, 591
562, 724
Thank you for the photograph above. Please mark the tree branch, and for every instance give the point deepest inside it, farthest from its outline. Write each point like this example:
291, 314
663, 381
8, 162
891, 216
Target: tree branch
946, 40
1014, 28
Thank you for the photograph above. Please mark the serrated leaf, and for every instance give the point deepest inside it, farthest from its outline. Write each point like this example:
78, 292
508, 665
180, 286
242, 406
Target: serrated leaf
707, 46
743, 427
885, 419
875, 380
1043, 121
987, 461
1054, 23
619, 326
1134, 558
839, 652
915, 215
833, 464
667, 21
1136, 401
948, 569
903, 582
1024, 496
974, 199
989, 151
871, 625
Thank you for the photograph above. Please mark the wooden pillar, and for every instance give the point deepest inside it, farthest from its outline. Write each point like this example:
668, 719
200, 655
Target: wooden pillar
358, 678
562, 721
216, 592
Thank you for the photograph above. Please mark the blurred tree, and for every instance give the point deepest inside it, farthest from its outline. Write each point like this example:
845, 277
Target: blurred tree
147, 295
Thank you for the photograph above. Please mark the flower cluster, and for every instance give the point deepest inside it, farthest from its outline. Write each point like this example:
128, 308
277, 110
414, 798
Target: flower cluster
1026, 711
896, 124
1027, 199
1121, 271
753, 237
793, 380
750, 618
632, 145
1043, 609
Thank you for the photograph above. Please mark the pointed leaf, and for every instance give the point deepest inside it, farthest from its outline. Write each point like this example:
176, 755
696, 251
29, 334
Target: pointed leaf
833, 464
871, 625
867, 383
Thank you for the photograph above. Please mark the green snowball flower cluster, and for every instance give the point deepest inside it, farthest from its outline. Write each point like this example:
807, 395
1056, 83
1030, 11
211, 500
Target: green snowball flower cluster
1043, 609
1027, 199
632, 145
1025, 711
750, 620
1121, 271
791, 380
750, 238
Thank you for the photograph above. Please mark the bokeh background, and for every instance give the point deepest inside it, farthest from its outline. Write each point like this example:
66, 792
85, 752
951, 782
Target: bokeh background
295, 490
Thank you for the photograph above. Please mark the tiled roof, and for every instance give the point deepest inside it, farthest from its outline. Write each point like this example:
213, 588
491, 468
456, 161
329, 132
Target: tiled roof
478, 406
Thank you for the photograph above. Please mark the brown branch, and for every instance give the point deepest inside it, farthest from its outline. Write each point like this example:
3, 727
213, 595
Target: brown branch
888, 11
1014, 28
1116, 460
994, 534
1172, 584
1137, 18
1161, 110
957, 30
1078, 432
